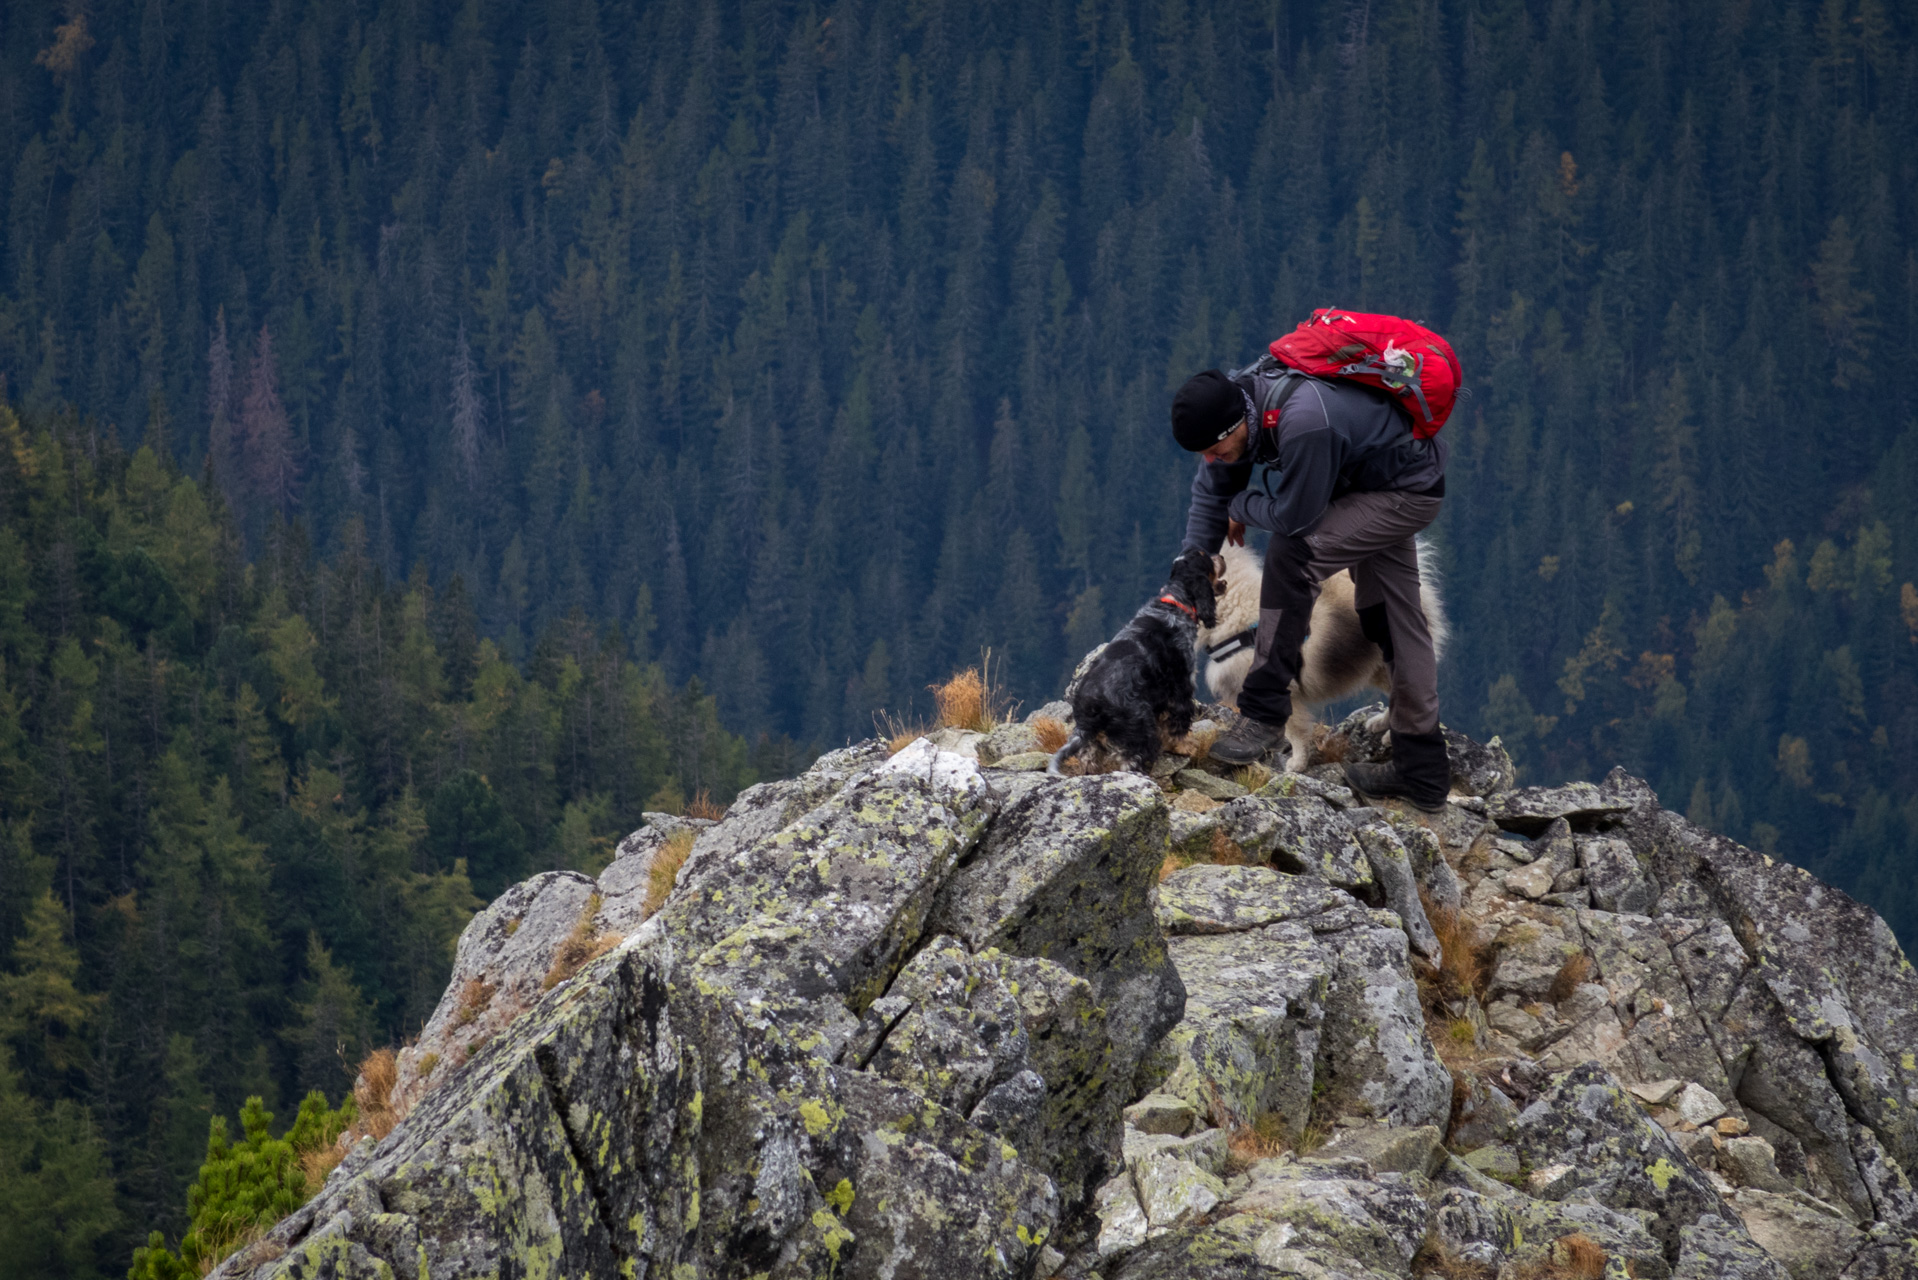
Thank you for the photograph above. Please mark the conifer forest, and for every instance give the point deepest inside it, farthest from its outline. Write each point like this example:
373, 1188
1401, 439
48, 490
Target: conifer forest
438, 431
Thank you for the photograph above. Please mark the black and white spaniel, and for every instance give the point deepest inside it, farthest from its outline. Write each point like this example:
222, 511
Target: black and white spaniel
1136, 695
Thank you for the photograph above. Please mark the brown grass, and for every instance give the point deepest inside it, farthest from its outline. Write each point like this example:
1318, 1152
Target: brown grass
373, 1095
702, 805
1332, 750
317, 1163
1221, 850
583, 945
474, 997
1051, 733
1260, 1140
1253, 776
220, 1240
664, 873
1573, 1257
1436, 1261
1466, 968
962, 701
899, 734
1576, 970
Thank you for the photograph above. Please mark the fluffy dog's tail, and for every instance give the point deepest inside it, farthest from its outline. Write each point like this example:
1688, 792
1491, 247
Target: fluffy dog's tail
1431, 596
1065, 753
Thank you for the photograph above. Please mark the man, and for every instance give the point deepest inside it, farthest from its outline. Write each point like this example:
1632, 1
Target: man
1333, 471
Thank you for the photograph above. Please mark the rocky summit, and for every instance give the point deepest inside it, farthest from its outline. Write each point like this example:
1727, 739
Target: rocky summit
935, 1014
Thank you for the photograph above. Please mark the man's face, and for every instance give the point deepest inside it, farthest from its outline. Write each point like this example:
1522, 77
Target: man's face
1230, 449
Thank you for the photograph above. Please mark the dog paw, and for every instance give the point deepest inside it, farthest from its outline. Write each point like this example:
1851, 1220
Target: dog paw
1378, 722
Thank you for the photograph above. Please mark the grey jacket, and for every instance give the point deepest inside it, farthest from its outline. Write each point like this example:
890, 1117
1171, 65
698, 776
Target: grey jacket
1330, 439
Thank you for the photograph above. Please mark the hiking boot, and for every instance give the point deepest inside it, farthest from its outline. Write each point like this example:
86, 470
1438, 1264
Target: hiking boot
1419, 771
1248, 742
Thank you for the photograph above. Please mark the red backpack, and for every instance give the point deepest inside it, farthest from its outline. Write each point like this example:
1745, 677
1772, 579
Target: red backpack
1405, 359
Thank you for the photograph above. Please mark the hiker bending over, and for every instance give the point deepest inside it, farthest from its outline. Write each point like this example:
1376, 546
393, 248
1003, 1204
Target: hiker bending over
1333, 471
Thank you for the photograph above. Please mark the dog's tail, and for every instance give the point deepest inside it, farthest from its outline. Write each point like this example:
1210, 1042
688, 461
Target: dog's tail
1073, 746
1430, 596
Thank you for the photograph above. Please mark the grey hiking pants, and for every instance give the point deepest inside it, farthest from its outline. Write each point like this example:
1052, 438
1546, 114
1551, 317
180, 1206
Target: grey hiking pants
1372, 535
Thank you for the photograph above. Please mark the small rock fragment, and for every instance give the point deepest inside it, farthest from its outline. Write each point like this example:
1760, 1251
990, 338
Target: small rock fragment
1698, 1105
1161, 1113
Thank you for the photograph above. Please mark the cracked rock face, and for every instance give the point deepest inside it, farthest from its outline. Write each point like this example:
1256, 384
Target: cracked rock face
939, 1015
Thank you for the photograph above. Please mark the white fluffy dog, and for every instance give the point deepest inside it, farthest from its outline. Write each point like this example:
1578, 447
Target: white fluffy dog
1337, 660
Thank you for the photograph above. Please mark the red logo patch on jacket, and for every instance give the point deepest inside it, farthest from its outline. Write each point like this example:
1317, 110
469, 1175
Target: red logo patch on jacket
1271, 419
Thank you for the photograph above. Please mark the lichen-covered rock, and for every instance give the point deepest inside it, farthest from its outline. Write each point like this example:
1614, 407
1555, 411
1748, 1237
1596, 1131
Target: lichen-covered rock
888, 1020
1809, 1239
1485, 1116
1289, 786
1249, 1041
1478, 768
1713, 1249
1617, 881
1314, 1006
1007, 740
1231, 899
1066, 874
1174, 1192
499, 970
1588, 1122
1831, 963
1530, 810
1122, 1220
1389, 1148
1018, 1045
1208, 785
1302, 835
1392, 870
1288, 1222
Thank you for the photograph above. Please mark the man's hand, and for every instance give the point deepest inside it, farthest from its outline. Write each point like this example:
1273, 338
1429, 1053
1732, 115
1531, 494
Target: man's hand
1235, 532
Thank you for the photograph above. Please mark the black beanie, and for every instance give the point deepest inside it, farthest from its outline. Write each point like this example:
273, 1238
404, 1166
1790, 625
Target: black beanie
1205, 410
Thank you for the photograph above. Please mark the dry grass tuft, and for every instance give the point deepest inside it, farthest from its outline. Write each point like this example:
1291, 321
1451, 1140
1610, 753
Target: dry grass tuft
474, 997
373, 1096
1576, 970
220, 1240
583, 945
702, 805
1573, 1257
1253, 776
664, 873
1260, 1140
320, 1161
899, 734
970, 700
1224, 851
1332, 750
1467, 962
1220, 850
1583, 1256
1051, 733
962, 701
1436, 1261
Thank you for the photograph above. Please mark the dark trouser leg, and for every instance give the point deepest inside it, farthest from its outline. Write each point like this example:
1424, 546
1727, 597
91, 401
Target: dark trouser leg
1371, 534
1286, 594
1388, 599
